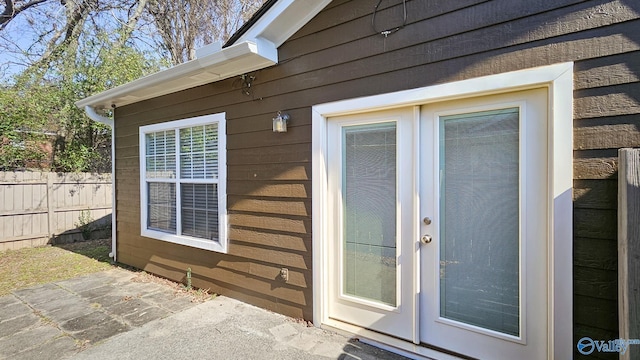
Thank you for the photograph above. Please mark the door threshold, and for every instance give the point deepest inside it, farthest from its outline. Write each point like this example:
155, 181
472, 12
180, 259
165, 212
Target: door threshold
389, 343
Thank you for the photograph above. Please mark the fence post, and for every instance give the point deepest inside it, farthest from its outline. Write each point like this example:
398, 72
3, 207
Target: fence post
629, 248
50, 211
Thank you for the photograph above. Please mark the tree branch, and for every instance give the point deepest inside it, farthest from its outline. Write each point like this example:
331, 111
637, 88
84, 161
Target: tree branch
11, 11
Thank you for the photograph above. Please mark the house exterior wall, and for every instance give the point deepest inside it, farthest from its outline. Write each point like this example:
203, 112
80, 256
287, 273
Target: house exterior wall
337, 56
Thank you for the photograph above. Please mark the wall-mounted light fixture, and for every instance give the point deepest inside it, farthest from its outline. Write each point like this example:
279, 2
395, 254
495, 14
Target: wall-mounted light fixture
280, 122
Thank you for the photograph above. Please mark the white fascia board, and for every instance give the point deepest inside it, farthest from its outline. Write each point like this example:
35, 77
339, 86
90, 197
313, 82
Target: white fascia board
283, 19
234, 60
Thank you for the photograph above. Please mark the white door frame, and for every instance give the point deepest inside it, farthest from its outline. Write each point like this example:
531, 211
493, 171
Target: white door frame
558, 79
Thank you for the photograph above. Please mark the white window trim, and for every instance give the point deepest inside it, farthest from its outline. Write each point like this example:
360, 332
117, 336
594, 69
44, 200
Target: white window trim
558, 79
221, 244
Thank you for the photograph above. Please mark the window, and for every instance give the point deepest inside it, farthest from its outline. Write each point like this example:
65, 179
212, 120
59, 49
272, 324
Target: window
182, 182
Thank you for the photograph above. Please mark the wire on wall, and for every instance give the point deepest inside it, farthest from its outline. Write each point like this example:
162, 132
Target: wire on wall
389, 31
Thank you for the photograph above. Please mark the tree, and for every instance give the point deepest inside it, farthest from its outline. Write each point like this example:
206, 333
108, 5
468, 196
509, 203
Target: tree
14, 8
74, 55
42, 101
187, 25
66, 50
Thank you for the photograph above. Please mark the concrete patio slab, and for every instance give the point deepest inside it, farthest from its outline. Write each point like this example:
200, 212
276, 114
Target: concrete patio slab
111, 315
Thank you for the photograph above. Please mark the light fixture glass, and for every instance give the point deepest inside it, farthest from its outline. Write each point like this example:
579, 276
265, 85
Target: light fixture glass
280, 122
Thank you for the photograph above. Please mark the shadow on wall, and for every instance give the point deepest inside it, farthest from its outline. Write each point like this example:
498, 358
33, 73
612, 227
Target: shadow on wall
87, 228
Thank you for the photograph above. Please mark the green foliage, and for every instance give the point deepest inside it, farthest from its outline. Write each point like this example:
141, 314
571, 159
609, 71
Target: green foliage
85, 224
21, 129
41, 101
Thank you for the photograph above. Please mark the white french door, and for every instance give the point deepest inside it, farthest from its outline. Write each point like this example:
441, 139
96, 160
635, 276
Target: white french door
484, 183
371, 159
438, 224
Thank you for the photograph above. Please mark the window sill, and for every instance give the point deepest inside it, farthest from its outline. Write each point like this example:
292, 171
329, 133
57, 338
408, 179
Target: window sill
211, 245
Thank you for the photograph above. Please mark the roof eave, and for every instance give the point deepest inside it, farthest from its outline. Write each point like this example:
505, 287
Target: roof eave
255, 47
234, 60
280, 20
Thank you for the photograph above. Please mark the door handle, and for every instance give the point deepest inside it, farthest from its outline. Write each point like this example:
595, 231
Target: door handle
426, 239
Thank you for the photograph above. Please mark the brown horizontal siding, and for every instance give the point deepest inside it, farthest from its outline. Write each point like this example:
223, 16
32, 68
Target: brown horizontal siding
239, 290
336, 56
595, 194
277, 154
596, 253
279, 239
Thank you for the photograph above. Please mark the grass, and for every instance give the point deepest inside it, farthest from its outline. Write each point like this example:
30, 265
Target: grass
34, 266
28, 267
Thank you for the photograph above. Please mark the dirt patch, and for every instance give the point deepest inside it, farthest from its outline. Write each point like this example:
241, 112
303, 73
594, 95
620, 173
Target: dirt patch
196, 295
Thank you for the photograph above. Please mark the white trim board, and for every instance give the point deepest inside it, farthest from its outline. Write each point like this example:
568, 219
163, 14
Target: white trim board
235, 60
558, 79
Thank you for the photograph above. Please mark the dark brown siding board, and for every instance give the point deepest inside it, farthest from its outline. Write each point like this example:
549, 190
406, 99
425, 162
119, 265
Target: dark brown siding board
595, 194
595, 253
294, 135
607, 101
127, 162
284, 240
292, 171
298, 207
291, 224
594, 312
263, 121
595, 283
595, 168
607, 132
128, 212
127, 151
607, 71
297, 260
300, 189
277, 154
129, 140
595, 223
129, 183
129, 173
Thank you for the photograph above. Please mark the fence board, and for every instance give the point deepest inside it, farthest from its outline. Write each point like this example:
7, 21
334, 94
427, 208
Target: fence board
37, 208
629, 248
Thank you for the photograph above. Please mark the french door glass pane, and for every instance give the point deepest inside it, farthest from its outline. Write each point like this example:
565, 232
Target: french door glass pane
480, 219
161, 206
369, 200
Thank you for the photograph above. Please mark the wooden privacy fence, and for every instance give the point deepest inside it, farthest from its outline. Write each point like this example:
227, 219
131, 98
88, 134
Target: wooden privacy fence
629, 249
37, 208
